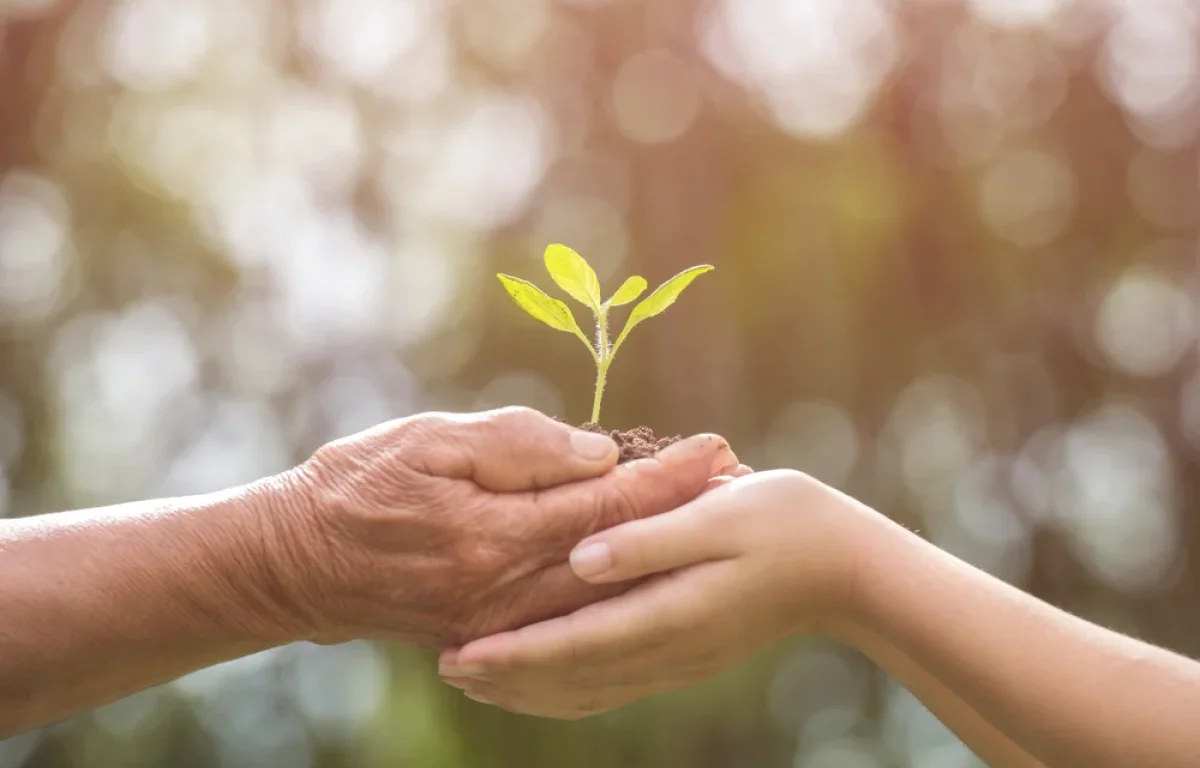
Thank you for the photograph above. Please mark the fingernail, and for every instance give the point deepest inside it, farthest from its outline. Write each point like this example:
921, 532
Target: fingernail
716, 483
692, 446
478, 697
451, 670
454, 683
591, 560
592, 446
723, 466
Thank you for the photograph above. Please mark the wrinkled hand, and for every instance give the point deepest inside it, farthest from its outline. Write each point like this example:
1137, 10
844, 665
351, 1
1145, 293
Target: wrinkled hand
439, 529
752, 561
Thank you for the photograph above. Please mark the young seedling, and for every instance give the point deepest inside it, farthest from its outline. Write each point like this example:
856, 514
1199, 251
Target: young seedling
575, 276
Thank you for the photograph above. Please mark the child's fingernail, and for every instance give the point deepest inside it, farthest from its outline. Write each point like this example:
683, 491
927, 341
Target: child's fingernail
591, 560
453, 670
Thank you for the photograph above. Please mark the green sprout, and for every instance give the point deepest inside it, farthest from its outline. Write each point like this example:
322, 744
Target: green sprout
575, 276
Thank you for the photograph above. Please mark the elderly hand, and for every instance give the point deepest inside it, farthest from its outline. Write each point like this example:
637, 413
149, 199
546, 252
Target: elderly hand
752, 561
439, 529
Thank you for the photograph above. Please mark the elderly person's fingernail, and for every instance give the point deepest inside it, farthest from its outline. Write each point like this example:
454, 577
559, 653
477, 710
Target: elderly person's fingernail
591, 560
724, 464
592, 446
690, 447
723, 460
716, 483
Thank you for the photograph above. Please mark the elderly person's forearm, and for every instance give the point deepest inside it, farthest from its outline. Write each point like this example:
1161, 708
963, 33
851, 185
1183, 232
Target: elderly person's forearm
98, 604
430, 530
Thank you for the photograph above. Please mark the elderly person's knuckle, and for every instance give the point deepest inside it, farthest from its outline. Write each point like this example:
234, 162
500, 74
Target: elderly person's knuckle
430, 422
484, 564
474, 558
424, 431
522, 423
516, 417
618, 504
493, 429
514, 412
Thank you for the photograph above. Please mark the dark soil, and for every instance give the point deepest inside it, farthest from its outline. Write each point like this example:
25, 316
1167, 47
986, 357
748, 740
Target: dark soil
637, 443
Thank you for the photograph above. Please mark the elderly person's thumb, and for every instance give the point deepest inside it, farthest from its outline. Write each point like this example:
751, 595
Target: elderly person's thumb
516, 449
520, 449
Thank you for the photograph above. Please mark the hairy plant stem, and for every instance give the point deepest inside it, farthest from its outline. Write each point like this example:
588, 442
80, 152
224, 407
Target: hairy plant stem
603, 358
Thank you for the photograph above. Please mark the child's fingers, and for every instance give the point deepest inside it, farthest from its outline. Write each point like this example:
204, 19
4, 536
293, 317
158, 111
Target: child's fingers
619, 628
688, 535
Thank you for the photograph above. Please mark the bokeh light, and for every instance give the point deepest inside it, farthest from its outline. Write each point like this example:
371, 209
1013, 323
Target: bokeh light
956, 248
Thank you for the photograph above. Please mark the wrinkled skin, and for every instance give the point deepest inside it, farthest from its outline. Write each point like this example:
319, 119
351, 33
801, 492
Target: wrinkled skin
439, 529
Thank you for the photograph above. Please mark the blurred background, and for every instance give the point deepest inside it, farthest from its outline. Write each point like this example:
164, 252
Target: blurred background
956, 249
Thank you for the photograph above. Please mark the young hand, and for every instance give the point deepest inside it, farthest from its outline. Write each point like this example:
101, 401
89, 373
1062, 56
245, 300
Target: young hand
755, 559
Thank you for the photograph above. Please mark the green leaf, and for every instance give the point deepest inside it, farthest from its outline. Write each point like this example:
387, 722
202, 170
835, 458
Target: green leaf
573, 275
530, 298
662, 298
628, 292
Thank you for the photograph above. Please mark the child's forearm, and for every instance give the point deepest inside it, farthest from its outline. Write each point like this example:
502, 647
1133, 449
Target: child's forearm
988, 743
1068, 692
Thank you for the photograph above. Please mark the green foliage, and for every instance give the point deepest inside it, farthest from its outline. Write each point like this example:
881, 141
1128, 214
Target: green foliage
661, 300
629, 291
575, 276
550, 311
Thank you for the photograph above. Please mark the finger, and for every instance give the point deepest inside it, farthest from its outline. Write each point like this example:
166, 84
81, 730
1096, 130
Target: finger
741, 471
646, 617
716, 483
632, 491
482, 694
552, 522
550, 592
556, 704
511, 449
515, 702
725, 463
691, 534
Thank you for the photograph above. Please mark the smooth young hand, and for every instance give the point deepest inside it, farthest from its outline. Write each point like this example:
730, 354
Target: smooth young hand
778, 553
752, 561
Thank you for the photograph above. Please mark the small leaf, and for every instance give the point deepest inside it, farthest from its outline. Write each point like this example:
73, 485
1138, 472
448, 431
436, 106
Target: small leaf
573, 275
530, 298
628, 292
666, 294
662, 298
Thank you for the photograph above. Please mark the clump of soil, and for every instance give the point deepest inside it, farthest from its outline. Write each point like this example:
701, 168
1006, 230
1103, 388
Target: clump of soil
637, 443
